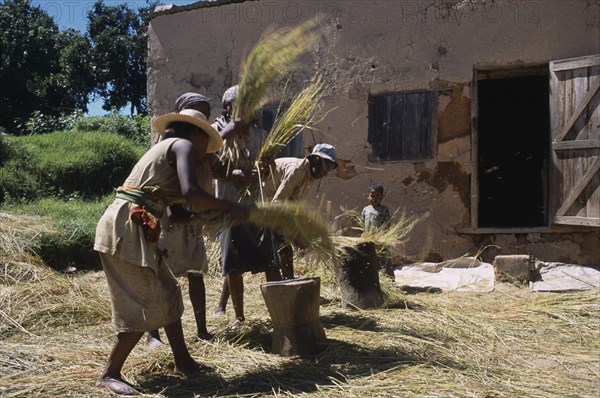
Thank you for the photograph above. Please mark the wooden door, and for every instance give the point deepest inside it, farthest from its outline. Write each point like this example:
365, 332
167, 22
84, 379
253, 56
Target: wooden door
575, 132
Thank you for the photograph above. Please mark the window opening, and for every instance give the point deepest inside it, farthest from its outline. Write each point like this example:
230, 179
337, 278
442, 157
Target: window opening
268, 115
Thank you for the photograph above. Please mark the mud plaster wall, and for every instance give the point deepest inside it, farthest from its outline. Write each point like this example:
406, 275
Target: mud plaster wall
386, 46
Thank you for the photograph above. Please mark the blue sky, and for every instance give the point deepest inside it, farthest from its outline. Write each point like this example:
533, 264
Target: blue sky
73, 14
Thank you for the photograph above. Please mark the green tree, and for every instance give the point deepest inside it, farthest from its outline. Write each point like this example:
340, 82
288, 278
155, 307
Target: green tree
119, 38
33, 71
77, 69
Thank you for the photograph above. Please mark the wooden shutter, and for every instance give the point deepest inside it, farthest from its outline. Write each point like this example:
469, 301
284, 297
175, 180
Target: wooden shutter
400, 126
268, 115
575, 129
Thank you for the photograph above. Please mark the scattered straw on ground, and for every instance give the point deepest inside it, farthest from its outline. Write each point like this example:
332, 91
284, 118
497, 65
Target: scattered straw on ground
56, 337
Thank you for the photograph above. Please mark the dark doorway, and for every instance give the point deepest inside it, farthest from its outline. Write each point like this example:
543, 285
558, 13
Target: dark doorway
513, 148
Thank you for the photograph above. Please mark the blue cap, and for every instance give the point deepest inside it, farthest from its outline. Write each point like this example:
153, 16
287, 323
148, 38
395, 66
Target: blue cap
325, 151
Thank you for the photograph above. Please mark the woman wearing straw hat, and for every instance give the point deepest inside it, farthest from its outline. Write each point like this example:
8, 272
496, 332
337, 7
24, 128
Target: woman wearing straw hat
144, 293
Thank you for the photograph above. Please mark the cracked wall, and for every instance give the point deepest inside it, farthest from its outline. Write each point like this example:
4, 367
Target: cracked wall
376, 47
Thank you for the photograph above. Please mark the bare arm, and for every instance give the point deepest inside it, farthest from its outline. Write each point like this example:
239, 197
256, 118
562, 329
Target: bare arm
185, 157
234, 127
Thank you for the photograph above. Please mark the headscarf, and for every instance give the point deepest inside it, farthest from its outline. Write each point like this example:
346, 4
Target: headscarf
188, 99
230, 94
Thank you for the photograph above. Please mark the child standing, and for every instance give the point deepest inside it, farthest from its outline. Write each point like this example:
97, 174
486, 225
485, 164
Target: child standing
375, 215
244, 247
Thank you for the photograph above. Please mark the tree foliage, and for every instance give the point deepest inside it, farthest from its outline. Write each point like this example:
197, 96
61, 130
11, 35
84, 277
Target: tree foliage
44, 71
119, 36
77, 67
31, 74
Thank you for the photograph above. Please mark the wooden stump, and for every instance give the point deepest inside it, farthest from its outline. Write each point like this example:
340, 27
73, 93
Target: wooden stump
293, 305
357, 272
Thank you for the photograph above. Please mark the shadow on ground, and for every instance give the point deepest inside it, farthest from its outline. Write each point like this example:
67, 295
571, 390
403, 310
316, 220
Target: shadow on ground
339, 362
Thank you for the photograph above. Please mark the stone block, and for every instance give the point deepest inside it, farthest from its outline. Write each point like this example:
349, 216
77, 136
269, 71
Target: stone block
513, 268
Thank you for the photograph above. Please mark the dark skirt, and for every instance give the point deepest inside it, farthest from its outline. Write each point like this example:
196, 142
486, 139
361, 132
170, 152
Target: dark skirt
246, 248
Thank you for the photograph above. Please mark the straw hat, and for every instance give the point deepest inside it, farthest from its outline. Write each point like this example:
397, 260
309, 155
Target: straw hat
191, 116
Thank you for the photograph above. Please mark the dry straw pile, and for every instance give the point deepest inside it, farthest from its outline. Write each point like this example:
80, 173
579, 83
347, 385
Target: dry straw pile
390, 236
56, 336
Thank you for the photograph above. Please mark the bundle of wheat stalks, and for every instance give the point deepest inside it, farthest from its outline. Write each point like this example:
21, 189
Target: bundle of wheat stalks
298, 224
269, 59
301, 114
392, 233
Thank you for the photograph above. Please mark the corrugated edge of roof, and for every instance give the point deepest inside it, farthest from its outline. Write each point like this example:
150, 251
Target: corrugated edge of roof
166, 9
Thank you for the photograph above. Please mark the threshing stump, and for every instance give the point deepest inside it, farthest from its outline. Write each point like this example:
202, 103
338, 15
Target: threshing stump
293, 305
357, 272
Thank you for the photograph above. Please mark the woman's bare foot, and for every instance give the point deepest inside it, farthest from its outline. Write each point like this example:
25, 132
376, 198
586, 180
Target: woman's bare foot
153, 342
205, 335
219, 311
118, 386
192, 366
237, 322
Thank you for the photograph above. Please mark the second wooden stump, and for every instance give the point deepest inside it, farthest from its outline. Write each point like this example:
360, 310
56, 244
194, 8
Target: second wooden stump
293, 305
357, 272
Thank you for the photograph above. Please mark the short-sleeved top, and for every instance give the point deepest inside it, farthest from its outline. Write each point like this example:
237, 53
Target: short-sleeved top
116, 233
375, 217
239, 153
291, 180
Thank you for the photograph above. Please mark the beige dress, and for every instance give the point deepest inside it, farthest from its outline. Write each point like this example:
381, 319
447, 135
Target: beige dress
144, 293
184, 243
